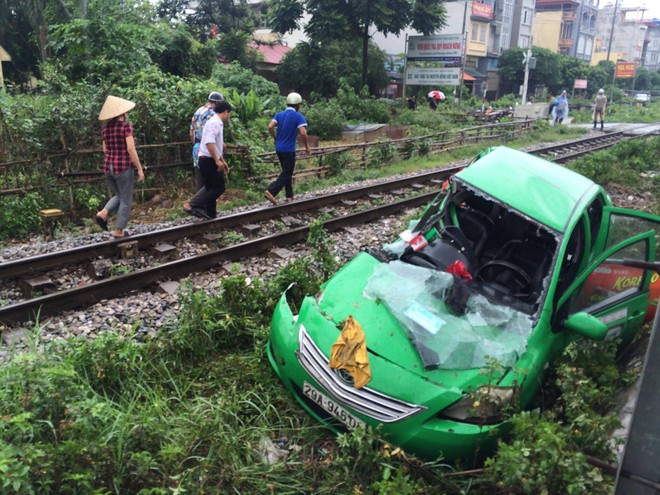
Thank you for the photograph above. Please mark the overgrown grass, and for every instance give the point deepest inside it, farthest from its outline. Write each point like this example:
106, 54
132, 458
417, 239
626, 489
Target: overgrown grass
630, 112
198, 409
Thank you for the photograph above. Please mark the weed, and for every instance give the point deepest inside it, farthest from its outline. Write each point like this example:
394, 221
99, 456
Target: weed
118, 269
230, 238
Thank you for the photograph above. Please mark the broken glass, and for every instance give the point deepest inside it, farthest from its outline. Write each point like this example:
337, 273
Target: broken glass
416, 297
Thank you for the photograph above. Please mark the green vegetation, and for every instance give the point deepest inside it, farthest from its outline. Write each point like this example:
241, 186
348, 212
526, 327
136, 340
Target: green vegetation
639, 157
626, 111
556, 72
199, 410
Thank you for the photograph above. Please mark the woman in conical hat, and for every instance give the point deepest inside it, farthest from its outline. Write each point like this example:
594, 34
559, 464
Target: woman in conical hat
120, 158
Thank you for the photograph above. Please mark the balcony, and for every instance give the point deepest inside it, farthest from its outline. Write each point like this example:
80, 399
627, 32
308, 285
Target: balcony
565, 43
568, 17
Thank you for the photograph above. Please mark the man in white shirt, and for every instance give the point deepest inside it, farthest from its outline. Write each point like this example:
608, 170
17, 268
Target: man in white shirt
212, 165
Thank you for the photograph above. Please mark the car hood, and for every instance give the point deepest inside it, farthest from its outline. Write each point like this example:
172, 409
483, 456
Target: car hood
408, 325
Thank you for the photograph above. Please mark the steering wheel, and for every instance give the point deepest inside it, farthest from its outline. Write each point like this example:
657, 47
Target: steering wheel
504, 276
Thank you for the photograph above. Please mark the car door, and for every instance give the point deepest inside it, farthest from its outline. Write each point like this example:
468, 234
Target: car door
612, 291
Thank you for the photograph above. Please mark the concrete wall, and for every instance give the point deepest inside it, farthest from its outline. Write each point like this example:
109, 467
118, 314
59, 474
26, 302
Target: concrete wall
546, 29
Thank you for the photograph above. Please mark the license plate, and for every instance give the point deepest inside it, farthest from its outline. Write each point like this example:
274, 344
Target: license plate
331, 406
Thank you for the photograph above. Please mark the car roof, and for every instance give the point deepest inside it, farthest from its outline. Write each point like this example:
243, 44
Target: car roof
542, 190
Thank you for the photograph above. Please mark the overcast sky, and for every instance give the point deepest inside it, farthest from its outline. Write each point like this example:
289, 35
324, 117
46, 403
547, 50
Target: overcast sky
652, 6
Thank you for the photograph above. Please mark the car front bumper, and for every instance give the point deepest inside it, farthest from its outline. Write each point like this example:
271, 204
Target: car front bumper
404, 407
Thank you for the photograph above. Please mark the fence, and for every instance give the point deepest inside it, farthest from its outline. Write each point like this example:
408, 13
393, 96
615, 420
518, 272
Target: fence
66, 170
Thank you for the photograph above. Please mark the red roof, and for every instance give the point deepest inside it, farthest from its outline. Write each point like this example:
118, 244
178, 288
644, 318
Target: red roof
272, 53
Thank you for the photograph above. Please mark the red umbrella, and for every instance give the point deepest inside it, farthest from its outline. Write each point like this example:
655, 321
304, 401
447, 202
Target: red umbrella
436, 95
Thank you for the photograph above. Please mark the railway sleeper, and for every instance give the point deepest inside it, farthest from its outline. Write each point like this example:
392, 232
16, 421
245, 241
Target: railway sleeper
127, 249
164, 252
250, 229
210, 240
39, 285
99, 269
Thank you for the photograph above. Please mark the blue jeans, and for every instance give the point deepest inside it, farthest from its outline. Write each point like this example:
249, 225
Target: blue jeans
121, 202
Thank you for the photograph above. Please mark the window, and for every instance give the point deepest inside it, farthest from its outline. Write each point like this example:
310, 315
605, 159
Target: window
595, 213
580, 45
524, 41
475, 31
571, 262
526, 17
612, 282
623, 227
482, 35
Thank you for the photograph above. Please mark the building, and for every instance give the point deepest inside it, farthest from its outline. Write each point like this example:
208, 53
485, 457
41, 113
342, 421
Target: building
490, 27
568, 27
622, 34
651, 54
4, 57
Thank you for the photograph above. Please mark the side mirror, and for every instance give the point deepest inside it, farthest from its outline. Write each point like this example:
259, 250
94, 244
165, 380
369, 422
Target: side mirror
586, 325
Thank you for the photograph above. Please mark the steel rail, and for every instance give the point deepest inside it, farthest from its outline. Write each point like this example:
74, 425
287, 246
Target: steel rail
35, 309
37, 264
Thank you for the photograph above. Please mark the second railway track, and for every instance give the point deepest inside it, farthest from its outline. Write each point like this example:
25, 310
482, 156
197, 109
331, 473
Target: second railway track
94, 291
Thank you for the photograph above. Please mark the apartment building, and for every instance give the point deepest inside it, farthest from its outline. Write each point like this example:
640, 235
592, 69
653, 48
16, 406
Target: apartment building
568, 27
622, 34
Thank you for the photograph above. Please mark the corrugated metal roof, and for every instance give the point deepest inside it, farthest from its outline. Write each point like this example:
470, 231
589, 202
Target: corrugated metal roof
362, 127
273, 54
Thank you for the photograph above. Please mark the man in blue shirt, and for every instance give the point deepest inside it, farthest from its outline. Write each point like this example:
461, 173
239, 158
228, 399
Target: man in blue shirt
289, 123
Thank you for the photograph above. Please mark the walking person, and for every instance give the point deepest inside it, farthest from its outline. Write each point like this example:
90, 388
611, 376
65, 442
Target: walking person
600, 102
561, 108
289, 123
412, 103
212, 164
120, 159
199, 118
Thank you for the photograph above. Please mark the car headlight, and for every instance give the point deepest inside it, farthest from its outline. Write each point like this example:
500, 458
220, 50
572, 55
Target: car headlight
483, 406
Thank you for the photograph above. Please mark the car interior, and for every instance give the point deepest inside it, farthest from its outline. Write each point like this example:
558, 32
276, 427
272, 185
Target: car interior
506, 254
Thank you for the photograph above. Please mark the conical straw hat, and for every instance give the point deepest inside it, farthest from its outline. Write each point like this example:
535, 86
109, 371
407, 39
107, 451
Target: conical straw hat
114, 107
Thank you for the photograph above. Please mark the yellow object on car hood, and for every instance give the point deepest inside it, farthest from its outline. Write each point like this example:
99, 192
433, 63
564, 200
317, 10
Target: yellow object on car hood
349, 353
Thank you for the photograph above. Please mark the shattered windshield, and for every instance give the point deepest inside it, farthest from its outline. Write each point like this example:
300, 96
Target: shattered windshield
468, 280
421, 300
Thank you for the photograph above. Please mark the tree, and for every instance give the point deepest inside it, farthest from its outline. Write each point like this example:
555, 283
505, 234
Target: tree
113, 41
511, 70
231, 21
333, 20
317, 67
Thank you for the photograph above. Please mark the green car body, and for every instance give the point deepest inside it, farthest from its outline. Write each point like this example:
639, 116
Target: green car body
541, 251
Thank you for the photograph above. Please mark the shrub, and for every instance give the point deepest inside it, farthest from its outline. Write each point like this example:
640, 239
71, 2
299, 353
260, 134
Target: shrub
325, 119
19, 215
338, 162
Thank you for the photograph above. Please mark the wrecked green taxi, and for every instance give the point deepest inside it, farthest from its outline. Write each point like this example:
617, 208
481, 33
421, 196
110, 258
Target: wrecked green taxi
462, 316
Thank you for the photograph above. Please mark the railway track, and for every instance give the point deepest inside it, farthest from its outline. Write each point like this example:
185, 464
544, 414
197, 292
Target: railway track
350, 207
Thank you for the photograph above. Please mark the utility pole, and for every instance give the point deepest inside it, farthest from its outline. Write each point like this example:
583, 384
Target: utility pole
609, 49
526, 58
609, 45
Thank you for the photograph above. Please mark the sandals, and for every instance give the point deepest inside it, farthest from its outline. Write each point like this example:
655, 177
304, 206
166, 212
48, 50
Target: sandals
126, 234
197, 212
270, 197
102, 222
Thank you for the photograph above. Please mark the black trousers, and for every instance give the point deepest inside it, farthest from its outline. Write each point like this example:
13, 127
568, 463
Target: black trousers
285, 179
214, 186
